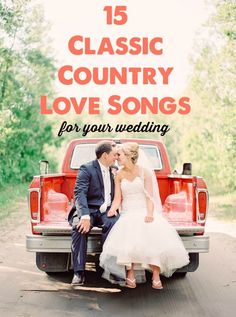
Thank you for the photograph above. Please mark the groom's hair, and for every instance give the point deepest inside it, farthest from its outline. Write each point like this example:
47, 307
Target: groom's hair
104, 147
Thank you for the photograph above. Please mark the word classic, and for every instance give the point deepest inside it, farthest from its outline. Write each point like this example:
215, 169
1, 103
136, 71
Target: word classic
109, 77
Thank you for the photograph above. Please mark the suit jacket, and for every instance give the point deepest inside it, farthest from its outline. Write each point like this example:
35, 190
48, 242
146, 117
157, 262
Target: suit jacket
89, 190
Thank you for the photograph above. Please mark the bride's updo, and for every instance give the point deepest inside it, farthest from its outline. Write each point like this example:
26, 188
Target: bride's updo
131, 149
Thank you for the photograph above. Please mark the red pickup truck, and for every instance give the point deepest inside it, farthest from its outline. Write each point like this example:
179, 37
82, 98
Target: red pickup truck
184, 198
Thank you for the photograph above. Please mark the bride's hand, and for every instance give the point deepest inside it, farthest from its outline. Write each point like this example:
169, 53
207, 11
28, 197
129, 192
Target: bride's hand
111, 213
149, 218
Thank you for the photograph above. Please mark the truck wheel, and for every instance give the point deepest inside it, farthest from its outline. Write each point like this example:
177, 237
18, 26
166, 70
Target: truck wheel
99, 270
194, 262
191, 267
51, 273
181, 274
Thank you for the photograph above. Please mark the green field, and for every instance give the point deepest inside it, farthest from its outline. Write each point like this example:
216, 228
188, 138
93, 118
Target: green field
223, 207
10, 197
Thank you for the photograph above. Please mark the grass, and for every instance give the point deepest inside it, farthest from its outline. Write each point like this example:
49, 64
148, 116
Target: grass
223, 207
10, 197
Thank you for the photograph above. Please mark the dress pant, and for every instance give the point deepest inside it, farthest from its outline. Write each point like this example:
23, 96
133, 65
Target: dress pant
79, 240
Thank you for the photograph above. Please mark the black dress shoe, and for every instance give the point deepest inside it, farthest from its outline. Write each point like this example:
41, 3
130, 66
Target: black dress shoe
78, 279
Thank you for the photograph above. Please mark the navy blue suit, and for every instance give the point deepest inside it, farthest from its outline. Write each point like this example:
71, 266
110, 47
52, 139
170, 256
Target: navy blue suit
89, 196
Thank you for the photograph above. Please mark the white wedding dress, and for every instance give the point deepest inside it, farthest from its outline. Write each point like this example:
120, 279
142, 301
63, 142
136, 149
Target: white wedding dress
132, 240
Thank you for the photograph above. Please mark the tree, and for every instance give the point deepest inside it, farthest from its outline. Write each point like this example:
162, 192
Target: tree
212, 142
26, 72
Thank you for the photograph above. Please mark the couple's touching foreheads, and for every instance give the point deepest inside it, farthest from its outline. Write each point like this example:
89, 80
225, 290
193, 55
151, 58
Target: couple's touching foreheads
126, 204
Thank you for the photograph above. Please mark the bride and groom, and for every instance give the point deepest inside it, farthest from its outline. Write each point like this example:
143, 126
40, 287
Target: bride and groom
136, 238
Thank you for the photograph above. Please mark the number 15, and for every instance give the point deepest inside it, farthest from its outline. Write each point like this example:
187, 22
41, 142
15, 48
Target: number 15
120, 15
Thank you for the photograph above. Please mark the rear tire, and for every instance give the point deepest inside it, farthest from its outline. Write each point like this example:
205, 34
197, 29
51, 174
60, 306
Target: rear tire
191, 267
181, 274
51, 273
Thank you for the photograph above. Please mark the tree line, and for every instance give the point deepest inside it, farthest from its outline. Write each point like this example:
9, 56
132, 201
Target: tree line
26, 71
206, 136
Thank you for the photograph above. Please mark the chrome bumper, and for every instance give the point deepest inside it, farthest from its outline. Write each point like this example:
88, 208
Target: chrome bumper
62, 244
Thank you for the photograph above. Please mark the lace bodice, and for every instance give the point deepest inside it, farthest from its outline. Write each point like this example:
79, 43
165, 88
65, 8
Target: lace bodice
133, 196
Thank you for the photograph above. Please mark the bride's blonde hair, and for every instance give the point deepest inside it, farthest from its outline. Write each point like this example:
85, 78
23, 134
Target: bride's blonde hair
131, 149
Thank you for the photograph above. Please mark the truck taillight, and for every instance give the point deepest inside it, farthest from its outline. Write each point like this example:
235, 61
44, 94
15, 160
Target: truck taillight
34, 204
202, 204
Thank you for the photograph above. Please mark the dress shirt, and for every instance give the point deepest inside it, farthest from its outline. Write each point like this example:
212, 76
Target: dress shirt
107, 187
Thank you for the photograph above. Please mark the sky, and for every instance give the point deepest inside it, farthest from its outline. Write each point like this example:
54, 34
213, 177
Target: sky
176, 21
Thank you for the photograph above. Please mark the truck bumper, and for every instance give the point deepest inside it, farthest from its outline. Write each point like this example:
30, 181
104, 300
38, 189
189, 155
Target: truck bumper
62, 244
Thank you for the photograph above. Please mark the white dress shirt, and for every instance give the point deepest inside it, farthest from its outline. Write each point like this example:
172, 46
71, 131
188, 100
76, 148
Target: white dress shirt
107, 187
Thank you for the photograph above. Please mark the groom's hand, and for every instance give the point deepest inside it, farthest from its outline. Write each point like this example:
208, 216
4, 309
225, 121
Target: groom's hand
84, 225
111, 213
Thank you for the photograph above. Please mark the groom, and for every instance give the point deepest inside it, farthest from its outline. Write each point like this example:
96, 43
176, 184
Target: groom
94, 192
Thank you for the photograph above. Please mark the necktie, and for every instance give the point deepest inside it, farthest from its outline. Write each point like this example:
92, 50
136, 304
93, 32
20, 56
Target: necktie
106, 181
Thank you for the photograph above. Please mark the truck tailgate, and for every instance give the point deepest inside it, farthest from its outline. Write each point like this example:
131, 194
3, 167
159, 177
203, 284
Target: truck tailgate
58, 228
63, 228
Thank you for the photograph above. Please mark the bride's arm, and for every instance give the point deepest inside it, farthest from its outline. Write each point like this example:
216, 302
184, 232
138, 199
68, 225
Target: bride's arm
148, 186
117, 198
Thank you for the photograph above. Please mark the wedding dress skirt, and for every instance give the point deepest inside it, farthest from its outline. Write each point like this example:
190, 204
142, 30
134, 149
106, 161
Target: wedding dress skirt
131, 240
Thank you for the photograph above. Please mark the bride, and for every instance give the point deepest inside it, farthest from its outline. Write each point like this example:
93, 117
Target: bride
141, 239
